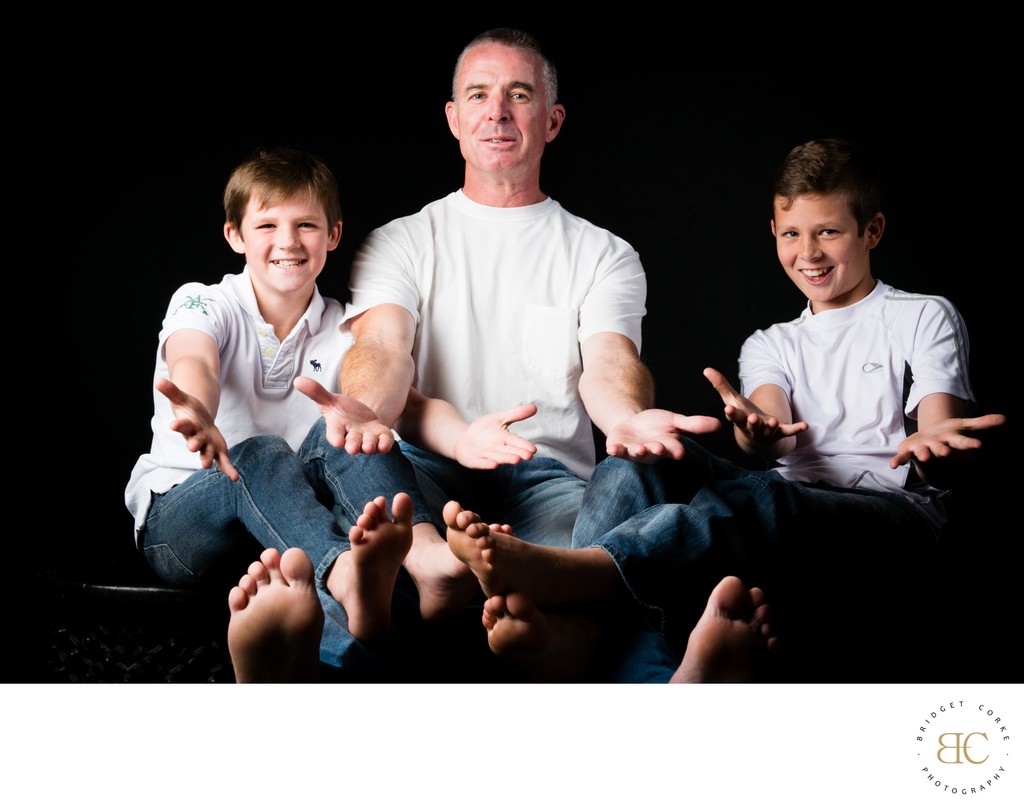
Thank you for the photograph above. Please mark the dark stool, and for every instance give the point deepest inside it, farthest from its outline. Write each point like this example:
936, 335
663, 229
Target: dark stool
114, 621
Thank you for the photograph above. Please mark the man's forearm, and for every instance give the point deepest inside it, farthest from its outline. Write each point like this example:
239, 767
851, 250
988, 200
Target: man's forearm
613, 394
378, 377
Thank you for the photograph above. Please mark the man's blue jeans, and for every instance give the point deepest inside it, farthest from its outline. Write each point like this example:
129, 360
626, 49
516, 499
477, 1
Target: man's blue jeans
539, 498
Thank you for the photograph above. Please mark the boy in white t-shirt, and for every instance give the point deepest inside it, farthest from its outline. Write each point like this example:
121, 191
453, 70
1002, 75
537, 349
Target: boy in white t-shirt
859, 406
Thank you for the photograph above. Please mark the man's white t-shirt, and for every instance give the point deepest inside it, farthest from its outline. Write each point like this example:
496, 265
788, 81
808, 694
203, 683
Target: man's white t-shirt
503, 299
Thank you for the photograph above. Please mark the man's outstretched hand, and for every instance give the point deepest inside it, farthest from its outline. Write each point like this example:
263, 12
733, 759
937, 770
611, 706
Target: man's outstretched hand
350, 424
652, 434
488, 443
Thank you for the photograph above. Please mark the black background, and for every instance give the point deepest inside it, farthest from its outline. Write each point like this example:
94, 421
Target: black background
669, 145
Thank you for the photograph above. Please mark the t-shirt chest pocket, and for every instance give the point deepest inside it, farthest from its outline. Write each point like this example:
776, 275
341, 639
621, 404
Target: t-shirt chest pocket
551, 342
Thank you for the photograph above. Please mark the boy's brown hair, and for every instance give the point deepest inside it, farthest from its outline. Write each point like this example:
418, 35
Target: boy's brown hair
275, 175
829, 166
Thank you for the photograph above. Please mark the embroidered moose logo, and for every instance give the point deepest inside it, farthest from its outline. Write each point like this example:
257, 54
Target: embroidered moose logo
316, 365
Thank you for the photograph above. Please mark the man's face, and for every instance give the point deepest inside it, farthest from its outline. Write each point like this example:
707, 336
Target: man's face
500, 113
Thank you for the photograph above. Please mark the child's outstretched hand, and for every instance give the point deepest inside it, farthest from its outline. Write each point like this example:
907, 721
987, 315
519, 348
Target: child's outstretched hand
194, 421
756, 431
943, 440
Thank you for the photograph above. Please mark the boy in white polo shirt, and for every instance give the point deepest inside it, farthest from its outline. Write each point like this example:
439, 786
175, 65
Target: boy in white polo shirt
238, 458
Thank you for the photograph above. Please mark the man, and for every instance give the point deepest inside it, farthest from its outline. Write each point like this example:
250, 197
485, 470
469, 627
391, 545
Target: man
495, 294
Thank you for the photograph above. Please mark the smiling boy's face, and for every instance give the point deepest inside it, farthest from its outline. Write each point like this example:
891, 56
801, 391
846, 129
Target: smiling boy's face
285, 245
818, 245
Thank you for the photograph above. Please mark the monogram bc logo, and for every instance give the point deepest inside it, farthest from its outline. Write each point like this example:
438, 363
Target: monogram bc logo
961, 746
965, 748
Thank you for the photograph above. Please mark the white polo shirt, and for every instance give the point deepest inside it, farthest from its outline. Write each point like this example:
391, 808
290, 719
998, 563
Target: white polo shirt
257, 370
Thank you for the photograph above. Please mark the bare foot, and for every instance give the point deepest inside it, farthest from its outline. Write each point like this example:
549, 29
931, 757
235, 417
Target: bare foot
548, 647
363, 578
444, 583
730, 638
276, 620
547, 576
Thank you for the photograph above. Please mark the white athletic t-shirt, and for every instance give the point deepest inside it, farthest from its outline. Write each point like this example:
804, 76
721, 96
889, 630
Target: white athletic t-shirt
853, 374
